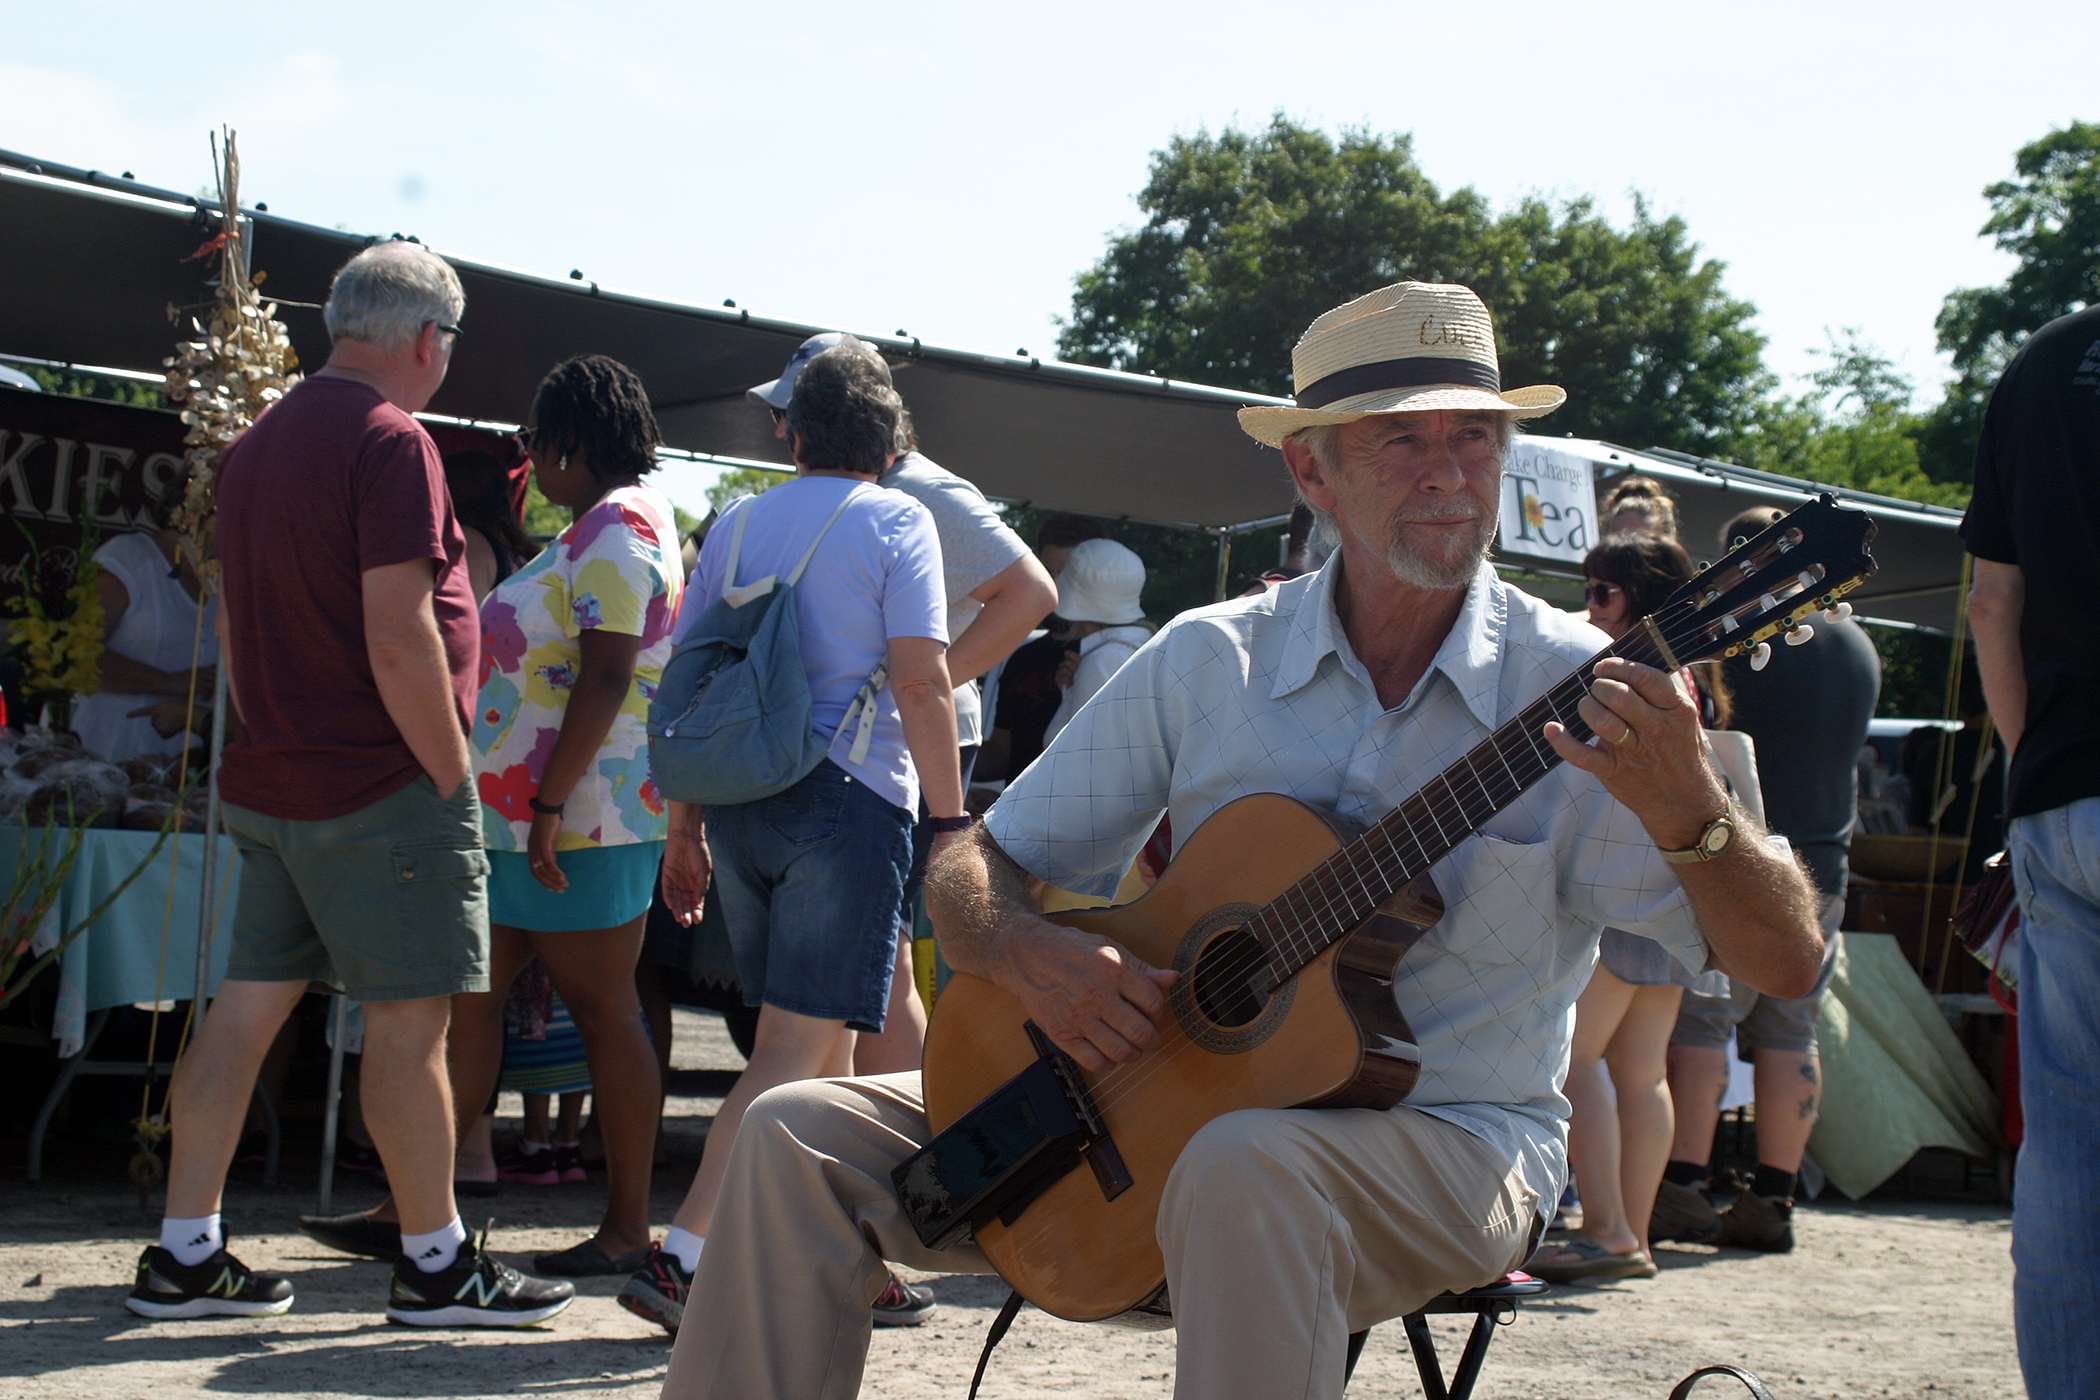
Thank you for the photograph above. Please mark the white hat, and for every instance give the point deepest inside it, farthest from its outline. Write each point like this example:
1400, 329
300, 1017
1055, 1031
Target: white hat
1412, 347
1100, 582
775, 393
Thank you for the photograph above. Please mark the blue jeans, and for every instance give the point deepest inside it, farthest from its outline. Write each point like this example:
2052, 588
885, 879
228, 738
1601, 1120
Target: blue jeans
809, 881
2056, 1213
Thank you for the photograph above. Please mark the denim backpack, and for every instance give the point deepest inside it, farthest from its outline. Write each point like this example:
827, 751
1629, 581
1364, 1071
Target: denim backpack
731, 719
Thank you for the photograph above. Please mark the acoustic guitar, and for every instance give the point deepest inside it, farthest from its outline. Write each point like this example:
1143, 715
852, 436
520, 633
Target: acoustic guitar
1287, 930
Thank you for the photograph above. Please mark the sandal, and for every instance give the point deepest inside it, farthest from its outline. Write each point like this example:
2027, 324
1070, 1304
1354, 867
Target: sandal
1590, 1263
587, 1260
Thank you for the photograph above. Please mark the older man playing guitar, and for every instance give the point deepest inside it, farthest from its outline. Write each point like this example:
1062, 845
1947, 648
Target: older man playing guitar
1563, 804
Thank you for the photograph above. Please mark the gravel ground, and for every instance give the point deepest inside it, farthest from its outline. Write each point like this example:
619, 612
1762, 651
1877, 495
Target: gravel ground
1889, 1297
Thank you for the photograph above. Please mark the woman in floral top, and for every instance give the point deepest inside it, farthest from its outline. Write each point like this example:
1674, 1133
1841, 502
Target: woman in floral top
572, 648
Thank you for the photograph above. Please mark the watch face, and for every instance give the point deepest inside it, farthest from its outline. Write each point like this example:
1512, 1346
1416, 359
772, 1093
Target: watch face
1717, 838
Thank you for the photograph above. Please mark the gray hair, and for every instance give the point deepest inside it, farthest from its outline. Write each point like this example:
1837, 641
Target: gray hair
1324, 441
386, 295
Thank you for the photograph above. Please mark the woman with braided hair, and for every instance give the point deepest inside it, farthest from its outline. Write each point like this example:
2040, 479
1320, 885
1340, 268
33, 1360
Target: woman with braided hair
573, 646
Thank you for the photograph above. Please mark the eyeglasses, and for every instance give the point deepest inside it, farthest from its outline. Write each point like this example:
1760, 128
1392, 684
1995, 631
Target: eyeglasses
779, 414
454, 331
1601, 593
525, 437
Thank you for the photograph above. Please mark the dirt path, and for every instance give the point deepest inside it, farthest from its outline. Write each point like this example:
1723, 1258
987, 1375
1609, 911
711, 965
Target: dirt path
1888, 1298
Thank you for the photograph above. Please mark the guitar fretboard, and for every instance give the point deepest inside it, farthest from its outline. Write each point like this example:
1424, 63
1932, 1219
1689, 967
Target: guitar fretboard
1345, 889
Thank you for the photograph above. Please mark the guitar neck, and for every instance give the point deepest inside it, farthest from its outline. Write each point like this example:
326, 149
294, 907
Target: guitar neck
1348, 887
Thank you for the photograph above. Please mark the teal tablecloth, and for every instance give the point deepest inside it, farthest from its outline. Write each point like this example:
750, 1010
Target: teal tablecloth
118, 960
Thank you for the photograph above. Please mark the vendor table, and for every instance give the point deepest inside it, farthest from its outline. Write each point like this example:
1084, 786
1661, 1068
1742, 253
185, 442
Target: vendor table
143, 948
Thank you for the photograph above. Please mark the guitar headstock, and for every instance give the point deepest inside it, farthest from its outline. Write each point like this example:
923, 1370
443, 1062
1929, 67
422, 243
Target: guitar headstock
1803, 563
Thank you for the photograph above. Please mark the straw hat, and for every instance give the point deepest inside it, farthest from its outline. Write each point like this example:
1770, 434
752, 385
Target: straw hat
1412, 347
1101, 582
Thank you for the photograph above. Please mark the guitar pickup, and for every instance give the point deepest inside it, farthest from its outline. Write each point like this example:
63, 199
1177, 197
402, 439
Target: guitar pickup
1002, 1154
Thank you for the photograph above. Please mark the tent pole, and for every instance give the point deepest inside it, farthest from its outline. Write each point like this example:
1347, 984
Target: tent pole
207, 909
1224, 564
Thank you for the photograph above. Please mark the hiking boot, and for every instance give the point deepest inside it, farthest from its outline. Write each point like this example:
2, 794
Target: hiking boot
355, 1233
901, 1304
1683, 1213
657, 1290
221, 1286
478, 1290
1757, 1222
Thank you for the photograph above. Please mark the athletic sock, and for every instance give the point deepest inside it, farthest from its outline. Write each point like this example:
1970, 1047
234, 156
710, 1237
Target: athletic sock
685, 1246
191, 1239
532, 1149
1773, 1183
436, 1251
1679, 1173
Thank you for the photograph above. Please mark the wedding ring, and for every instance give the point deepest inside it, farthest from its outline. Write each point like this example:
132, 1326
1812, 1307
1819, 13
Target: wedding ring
1625, 738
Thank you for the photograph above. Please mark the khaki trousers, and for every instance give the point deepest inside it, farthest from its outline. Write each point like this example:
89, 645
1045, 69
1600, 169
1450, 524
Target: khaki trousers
1283, 1230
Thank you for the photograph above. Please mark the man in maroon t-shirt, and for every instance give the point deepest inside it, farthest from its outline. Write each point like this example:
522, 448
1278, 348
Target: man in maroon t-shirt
353, 645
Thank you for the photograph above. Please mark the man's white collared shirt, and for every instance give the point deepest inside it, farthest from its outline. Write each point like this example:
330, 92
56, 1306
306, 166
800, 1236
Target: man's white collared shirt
1265, 695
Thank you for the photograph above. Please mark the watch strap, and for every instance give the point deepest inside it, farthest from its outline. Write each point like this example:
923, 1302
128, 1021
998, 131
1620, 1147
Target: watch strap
939, 825
546, 809
1703, 849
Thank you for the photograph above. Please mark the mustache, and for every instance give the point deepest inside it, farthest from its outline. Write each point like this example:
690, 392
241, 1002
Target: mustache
1424, 514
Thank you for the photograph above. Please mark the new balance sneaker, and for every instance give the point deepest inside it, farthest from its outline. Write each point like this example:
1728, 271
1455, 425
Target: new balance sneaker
221, 1286
657, 1290
479, 1290
901, 1304
355, 1233
1763, 1223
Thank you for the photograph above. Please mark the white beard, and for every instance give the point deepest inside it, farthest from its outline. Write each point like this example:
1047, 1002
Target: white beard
1454, 565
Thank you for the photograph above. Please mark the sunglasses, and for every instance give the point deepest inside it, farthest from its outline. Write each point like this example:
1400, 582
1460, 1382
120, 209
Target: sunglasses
526, 436
454, 331
779, 414
1601, 593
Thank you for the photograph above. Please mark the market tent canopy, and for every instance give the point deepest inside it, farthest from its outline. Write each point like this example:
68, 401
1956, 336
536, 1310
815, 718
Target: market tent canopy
1918, 547
96, 262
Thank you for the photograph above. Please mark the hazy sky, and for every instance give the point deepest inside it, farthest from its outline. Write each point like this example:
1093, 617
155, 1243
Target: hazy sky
947, 169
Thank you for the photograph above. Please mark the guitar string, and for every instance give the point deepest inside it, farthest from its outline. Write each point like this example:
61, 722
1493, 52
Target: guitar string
1119, 1082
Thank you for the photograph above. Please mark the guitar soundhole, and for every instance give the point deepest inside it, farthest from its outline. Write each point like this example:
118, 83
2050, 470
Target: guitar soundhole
1224, 975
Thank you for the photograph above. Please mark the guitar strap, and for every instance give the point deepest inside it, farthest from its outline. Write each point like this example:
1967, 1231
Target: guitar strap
995, 1334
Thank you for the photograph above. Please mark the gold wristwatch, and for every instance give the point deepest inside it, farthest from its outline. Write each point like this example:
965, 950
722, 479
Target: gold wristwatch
1714, 838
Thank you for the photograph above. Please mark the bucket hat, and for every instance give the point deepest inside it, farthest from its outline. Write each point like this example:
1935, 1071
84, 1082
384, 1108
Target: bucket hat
1101, 582
1412, 347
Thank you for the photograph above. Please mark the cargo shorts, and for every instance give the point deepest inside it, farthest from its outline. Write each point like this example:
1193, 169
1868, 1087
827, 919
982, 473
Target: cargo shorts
389, 903
1761, 1022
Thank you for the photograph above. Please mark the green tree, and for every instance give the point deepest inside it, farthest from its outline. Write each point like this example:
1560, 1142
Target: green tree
1249, 235
2048, 217
743, 481
1854, 427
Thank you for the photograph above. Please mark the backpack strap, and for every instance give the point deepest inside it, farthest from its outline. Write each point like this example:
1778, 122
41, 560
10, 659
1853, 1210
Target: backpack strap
810, 553
736, 597
864, 706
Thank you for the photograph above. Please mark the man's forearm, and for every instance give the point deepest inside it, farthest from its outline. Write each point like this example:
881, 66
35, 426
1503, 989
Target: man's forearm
1758, 912
415, 685
1997, 602
1023, 596
974, 892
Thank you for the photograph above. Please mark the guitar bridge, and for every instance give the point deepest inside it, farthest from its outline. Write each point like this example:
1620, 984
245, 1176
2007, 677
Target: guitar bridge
997, 1158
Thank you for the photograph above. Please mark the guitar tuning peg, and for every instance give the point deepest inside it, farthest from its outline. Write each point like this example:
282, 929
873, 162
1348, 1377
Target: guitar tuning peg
1838, 613
1761, 657
1799, 633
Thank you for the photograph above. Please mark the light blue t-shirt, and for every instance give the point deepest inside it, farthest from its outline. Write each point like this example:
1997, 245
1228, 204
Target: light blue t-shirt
877, 575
